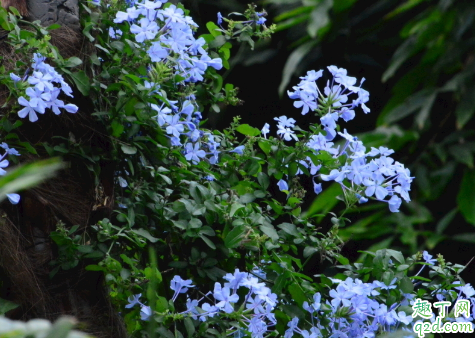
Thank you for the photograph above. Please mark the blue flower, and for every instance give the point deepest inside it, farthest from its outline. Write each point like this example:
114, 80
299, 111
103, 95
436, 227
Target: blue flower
261, 21
145, 312
282, 185
223, 295
220, 18
428, 258
133, 300
265, 130
180, 286
238, 150
193, 153
13, 198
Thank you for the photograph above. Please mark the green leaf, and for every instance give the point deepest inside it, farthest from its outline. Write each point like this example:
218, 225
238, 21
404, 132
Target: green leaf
235, 207
233, 239
466, 108
409, 106
265, 146
72, 62
246, 129
213, 29
397, 255
289, 228
325, 201
406, 285
293, 61
463, 153
81, 80
28, 175
146, 234
208, 241
269, 230
308, 251
129, 150
405, 51
445, 221
117, 128
319, 17
280, 282
190, 328
297, 293
6, 305
247, 198
263, 180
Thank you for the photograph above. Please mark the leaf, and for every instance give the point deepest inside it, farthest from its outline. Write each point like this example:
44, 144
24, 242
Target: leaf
293, 61
246, 129
269, 230
445, 221
404, 52
422, 117
409, 106
325, 201
81, 81
72, 62
308, 251
28, 175
297, 294
208, 241
129, 150
117, 128
6, 305
397, 255
406, 285
319, 18
280, 282
263, 180
146, 234
190, 328
235, 207
289, 228
213, 29
463, 153
466, 108
233, 238
247, 198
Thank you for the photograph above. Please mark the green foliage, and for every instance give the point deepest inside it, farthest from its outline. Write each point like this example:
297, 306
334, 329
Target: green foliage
431, 74
202, 219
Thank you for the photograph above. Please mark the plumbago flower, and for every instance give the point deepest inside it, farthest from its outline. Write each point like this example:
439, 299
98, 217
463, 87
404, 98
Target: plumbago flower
13, 198
361, 173
166, 35
346, 307
46, 85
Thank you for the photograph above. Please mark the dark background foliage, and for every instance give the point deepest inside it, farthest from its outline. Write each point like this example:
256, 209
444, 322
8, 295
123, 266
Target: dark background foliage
418, 61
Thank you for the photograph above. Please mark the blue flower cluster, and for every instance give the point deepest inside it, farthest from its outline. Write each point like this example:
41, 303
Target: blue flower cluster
373, 174
13, 198
352, 311
257, 305
167, 36
44, 91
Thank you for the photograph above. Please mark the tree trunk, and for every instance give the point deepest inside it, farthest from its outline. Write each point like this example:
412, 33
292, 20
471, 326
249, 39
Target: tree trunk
71, 198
